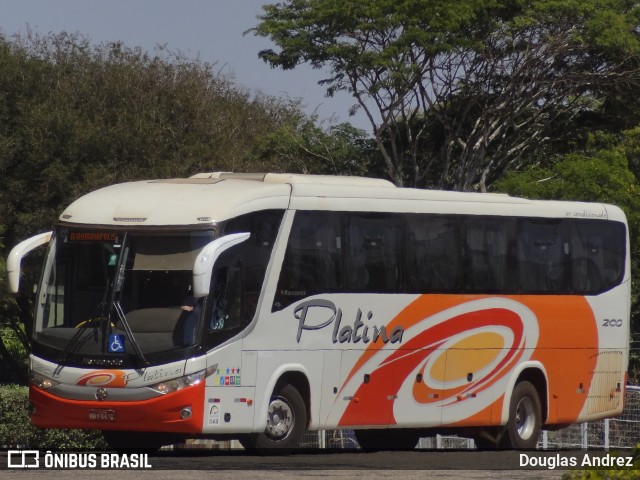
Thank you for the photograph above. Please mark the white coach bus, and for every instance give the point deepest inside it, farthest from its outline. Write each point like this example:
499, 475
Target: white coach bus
259, 306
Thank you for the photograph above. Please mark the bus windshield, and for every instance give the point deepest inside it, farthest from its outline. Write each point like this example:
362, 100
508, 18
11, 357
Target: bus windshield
116, 295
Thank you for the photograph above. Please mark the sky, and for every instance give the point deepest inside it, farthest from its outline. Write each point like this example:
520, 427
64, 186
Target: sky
211, 30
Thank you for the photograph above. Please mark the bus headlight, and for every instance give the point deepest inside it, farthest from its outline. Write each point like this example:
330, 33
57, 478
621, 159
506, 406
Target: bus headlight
40, 381
176, 384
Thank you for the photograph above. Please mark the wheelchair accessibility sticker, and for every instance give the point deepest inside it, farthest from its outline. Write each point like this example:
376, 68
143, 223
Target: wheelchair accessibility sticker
116, 343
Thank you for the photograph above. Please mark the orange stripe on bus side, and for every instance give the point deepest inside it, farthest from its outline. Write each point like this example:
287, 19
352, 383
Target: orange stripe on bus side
567, 341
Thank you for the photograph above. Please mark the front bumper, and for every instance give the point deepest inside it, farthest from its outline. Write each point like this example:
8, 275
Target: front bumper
164, 413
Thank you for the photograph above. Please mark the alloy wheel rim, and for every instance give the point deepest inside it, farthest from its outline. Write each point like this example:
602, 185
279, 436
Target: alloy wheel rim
525, 418
280, 419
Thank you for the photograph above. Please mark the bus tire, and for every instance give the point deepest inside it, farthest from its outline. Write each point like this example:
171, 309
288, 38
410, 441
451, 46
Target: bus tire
525, 418
286, 424
387, 439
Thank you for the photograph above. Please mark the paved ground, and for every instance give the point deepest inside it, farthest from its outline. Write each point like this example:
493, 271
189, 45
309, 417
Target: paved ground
287, 475
405, 465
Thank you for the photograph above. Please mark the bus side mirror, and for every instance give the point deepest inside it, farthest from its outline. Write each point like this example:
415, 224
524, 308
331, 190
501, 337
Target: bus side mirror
17, 254
203, 265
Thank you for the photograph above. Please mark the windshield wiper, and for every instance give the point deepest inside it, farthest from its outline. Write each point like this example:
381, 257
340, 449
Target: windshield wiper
76, 341
129, 332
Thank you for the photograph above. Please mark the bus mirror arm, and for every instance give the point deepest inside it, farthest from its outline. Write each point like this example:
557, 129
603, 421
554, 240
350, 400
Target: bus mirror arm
17, 254
206, 259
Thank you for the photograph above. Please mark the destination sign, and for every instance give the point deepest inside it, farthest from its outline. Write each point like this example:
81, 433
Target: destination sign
92, 237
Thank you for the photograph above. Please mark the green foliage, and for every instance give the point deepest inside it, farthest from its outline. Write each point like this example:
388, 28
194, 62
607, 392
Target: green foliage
605, 170
16, 430
622, 473
335, 33
13, 348
498, 79
13, 339
304, 147
75, 117
602, 176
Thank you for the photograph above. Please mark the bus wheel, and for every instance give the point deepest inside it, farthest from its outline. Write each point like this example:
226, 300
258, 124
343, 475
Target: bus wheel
525, 418
388, 439
286, 423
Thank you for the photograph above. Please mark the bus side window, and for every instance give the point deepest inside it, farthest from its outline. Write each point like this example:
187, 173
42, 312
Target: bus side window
227, 299
373, 253
433, 258
256, 253
597, 256
489, 267
543, 251
357, 268
313, 259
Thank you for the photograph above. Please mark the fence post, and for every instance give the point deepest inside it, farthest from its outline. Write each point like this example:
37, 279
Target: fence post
584, 427
606, 434
545, 439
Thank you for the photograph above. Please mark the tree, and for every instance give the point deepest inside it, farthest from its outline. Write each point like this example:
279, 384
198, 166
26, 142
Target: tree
600, 173
302, 146
499, 78
75, 117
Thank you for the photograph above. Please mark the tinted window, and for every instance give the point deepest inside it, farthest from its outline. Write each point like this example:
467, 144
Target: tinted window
313, 260
227, 299
255, 252
262, 225
433, 253
230, 311
239, 275
597, 255
488, 265
373, 253
543, 254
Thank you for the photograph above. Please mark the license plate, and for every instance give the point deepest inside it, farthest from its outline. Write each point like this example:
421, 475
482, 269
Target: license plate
102, 415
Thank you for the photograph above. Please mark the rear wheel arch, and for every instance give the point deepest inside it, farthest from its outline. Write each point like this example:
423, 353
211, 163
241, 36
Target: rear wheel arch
525, 410
538, 379
536, 374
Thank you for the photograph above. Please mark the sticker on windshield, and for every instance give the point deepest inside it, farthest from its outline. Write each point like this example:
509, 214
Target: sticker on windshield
116, 343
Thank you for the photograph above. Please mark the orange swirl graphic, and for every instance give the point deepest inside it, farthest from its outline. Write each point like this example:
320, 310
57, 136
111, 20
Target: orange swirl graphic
466, 347
104, 378
424, 350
